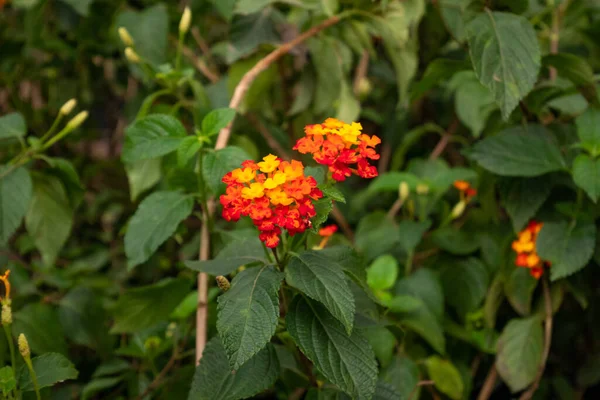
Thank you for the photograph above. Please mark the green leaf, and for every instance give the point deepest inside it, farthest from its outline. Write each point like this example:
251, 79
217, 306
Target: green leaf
519, 354
217, 163
518, 151
382, 273
50, 217
66, 172
347, 361
214, 379
575, 69
248, 313
145, 306
522, 198
225, 7
142, 175
383, 342
473, 102
403, 304
519, 288
12, 126
248, 32
7, 380
568, 246
149, 30
588, 130
455, 241
155, 220
323, 208
323, 279
465, 284
376, 234
445, 376
329, 73
349, 260
40, 324
586, 174
437, 71
98, 385
82, 7
187, 149
15, 194
217, 120
152, 136
231, 257
456, 14
403, 374
333, 193
506, 56
411, 233
50, 368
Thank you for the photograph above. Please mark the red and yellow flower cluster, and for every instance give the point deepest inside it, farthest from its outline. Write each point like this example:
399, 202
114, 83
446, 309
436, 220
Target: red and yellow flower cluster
275, 194
466, 190
342, 147
525, 248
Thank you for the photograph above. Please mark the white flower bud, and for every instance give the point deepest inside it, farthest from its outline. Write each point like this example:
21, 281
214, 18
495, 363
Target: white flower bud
186, 19
68, 107
132, 56
77, 120
458, 209
125, 37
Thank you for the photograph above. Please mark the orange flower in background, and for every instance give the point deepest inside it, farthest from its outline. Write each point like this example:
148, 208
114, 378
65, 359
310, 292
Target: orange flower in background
326, 232
525, 248
342, 147
467, 192
274, 193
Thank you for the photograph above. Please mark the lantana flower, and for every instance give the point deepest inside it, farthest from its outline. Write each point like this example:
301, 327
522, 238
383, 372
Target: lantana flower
274, 193
467, 192
342, 147
525, 247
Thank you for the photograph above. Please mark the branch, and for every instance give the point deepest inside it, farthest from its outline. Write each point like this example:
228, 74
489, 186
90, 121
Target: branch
222, 139
361, 71
441, 146
547, 341
488, 385
158, 380
198, 63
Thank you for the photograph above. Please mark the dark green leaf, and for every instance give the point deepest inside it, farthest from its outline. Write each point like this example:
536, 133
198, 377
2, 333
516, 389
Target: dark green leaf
437, 71
323, 279
586, 174
15, 194
50, 368
217, 120
403, 374
411, 233
520, 352
445, 376
214, 378
519, 151
145, 306
149, 30
568, 246
329, 73
506, 56
465, 284
382, 273
455, 241
519, 288
40, 324
7, 380
323, 208
575, 69
588, 130
333, 193
66, 172
248, 313
12, 126
98, 385
248, 32
217, 163
152, 136
155, 220
522, 198
473, 102
142, 175
82, 7
383, 342
376, 234
234, 255
187, 149
347, 361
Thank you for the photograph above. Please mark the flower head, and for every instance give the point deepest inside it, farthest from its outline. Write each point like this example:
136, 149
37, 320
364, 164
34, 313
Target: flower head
467, 192
274, 193
525, 247
342, 147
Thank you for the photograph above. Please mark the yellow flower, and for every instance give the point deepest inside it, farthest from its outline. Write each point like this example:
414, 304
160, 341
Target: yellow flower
350, 133
243, 175
294, 170
254, 191
278, 196
269, 163
277, 179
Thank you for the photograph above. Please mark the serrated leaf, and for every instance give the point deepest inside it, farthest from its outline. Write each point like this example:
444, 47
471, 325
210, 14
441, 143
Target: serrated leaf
519, 288
465, 284
333, 193
217, 120
50, 217
323, 279
145, 306
15, 194
231, 257
350, 261
155, 220
248, 312
12, 126
40, 324
403, 374
506, 56
522, 198
382, 273
214, 378
187, 149
217, 163
520, 352
347, 361
50, 368
323, 208
518, 151
142, 175
586, 174
411, 233
588, 130
568, 246
152, 136
446, 377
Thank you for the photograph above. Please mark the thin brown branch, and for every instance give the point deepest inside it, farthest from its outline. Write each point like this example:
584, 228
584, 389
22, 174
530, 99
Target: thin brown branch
203, 45
263, 64
198, 63
384, 160
202, 311
488, 384
547, 342
158, 380
264, 132
339, 218
441, 146
361, 71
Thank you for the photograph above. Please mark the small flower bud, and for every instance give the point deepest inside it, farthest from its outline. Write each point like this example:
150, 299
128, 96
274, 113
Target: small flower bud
186, 18
77, 120
125, 37
458, 209
132, 56
68, 107
403, 191
422, 188
6, 313
24, 346
223, 283
152, 343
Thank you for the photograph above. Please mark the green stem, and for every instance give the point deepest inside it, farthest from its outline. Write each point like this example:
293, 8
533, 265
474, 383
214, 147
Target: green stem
179, 46
57, 121
33, 377
11, 346
64, 132
409, 262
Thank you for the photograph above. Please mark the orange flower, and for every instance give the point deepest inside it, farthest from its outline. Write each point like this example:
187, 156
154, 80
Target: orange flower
279, 197
328, 230
342, 147
525, 247
466, 191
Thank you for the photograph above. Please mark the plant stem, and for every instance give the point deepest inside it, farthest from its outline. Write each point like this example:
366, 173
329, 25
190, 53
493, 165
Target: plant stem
409, 262
33, 377
11, 346
57, 121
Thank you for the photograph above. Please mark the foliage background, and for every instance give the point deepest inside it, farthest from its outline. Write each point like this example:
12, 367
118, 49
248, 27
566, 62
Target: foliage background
414, 72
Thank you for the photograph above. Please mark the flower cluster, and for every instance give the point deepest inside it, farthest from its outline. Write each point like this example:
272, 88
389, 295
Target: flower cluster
342, 147
275, 194
525, 248
466, 190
